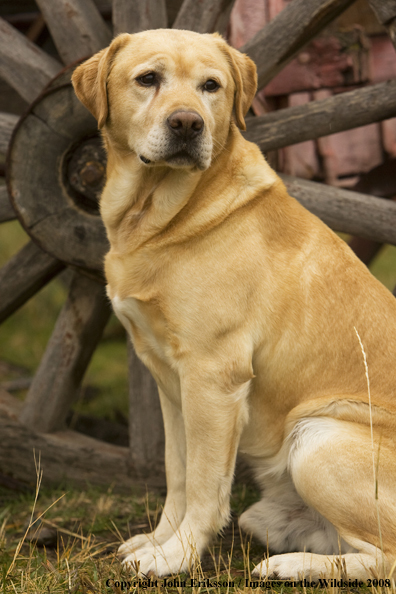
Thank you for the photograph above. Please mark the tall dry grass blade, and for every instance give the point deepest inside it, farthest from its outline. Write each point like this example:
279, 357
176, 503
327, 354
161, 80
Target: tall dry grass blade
117, 532
64, 530
369, 397
2, 528
39, 477
375, 467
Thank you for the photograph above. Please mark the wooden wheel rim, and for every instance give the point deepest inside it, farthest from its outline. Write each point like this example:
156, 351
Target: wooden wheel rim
44, 141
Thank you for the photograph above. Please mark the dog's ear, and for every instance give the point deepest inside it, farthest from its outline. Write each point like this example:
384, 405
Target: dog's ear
244, 73
90, 79
245, 78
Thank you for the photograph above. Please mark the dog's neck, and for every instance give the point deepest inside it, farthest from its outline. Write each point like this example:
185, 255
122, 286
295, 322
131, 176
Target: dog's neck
140, 202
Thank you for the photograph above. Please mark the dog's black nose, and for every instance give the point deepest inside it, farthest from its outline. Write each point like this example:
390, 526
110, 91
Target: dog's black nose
186, 124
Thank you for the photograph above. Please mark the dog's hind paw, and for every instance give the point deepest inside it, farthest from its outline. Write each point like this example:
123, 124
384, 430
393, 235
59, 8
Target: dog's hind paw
292, 566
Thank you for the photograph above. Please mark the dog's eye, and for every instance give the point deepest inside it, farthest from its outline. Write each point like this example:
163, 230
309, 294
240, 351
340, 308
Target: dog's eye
211, 86
147, 80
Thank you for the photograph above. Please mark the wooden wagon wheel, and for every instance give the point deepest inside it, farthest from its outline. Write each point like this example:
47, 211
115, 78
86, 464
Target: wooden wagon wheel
55, 172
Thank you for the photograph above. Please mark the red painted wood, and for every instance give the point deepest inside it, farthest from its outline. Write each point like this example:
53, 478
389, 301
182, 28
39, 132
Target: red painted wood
247, 18
300, 159
382, 59
389, 136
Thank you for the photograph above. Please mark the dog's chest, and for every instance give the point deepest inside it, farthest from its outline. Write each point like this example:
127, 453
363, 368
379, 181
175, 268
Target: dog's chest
144, 323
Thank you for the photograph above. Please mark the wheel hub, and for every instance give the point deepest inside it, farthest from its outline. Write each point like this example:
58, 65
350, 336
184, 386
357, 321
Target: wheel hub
84, 173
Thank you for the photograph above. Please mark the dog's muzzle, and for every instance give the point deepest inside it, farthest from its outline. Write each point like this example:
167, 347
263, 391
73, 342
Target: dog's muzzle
183, 143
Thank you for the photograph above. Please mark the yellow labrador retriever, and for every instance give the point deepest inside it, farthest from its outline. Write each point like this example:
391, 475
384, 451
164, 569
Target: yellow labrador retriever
248, 312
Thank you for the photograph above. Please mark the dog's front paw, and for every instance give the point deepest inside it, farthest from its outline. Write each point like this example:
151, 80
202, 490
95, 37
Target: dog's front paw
292, 566
173, 557
140, 541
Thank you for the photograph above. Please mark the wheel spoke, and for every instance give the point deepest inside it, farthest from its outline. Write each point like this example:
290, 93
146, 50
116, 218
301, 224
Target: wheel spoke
77, 332
8, 122
25, 274
323, 117
7, 213
278, 42
204, 16
146, 447
23, 65
76, 27
385, 11
132, 17
346, 211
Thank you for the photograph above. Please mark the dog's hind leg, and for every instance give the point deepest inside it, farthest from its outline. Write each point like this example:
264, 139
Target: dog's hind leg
351, 481
175, 465
284, 522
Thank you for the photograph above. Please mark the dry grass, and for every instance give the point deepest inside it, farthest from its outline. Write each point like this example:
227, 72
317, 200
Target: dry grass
89, 524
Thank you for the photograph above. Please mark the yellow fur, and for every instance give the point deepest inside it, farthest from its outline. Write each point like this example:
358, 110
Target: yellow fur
243, 306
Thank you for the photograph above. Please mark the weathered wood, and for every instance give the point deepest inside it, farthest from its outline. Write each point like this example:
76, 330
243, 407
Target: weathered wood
323, 117
279, 41
380, 182
146, 428
28, 8
64, 455
39, 184
172, 9
205, 16
385, 11
25, 274
36, 28
7, 213
77, 332
8, 122
15, 385
76, 27
132, 17
346, 211
23, 65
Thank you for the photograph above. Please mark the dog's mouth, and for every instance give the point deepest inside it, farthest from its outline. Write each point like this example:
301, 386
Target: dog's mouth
180, 158
180, 153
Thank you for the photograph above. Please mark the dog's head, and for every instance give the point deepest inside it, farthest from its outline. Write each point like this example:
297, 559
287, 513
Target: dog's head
168, 95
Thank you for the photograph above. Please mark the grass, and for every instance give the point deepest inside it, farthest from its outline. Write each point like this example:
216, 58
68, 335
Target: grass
88, 526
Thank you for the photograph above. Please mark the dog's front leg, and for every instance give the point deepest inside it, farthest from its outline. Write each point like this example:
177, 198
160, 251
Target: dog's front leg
213, 418
175, 465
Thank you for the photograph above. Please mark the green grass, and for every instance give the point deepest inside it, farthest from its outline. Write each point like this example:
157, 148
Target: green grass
76, 516
88, 525
76, 560
383, 266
